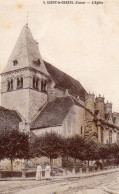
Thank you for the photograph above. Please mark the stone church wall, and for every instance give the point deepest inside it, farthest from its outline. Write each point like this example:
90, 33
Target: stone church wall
74, 122
19, 100
57, 129
36, 101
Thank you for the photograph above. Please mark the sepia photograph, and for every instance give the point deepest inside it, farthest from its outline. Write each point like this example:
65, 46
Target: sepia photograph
59, 97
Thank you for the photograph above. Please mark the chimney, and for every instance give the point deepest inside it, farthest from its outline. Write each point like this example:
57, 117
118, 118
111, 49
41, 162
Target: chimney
51, 91
108, 107
99, 105
89, 102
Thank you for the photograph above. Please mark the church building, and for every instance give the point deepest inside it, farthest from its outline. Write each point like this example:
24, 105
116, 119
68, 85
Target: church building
37, 97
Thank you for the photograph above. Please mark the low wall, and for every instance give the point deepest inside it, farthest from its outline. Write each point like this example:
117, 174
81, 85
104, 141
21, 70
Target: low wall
7, 174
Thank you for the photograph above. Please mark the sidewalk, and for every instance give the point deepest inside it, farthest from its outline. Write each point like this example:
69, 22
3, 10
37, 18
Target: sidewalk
88, 174
77, 175
60, 184
111, 191
59, 188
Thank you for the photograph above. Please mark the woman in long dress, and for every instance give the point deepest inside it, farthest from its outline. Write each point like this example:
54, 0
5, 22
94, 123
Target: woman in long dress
47, 171
39, 173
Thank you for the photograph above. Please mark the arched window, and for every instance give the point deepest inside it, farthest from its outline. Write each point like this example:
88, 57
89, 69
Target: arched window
81, 130
20, 82
10, 85
44, 85
110, 137
102, 136
35, 82
118, 137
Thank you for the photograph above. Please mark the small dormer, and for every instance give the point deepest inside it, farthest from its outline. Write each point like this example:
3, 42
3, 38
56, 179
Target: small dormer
37, 62
99, 105
15, 62
109, 118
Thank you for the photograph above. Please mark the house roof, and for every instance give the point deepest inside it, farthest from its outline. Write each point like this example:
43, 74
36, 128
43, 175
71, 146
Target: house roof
65, 81
9, 119
53, 113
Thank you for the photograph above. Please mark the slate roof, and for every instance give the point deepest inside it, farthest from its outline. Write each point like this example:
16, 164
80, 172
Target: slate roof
65, 81
53, 113
26, 51
9, 119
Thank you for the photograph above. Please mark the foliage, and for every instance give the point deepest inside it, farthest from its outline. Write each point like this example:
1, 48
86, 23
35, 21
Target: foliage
14, 144
49, 144
91, 149
114, 151
53, 145
75, 147
1, 151
104, 151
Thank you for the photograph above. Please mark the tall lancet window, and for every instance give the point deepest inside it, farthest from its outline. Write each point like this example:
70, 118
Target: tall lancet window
118, 137
35, 83
10, 85
102, 136
81, 130
20, 82
44, 85
110, 137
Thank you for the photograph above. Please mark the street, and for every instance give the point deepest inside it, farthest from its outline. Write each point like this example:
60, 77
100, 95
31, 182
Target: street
90, 185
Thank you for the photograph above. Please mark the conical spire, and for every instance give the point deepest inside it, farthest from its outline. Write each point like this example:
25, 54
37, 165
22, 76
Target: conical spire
25, 53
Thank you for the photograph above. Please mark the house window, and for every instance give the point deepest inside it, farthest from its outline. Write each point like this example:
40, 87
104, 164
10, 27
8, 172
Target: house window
15, 62
118, 137
110, 137
20, 82
35, 82
10, 85
81, 130
44, 85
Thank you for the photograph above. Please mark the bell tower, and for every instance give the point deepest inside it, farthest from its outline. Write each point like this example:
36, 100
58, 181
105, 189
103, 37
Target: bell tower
24, 80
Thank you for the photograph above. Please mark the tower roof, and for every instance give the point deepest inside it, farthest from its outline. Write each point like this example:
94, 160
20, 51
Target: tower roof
25, 53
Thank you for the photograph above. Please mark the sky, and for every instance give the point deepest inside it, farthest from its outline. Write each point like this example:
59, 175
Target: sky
81, 40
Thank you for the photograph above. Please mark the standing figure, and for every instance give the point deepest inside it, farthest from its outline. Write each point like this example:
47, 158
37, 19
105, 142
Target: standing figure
47, 171
39, 172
